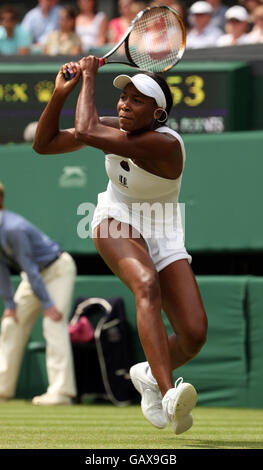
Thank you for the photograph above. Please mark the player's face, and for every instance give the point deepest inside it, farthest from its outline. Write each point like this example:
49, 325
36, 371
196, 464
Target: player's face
135, 110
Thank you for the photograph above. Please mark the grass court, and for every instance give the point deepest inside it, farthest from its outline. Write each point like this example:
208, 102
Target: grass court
105, 426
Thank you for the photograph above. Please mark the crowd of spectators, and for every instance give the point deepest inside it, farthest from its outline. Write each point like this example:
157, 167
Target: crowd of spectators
53, 28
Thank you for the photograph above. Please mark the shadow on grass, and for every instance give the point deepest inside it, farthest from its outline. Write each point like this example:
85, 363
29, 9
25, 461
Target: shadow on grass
217, 444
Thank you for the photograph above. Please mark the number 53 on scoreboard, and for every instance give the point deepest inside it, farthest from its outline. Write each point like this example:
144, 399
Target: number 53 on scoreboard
189, 89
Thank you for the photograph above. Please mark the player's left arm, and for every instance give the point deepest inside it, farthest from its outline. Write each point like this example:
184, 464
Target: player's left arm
90, 130
49, 139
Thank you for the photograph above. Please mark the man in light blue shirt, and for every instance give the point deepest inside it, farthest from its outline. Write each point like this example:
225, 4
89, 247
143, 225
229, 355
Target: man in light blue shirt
23, 246
13, 38
48, 277
41, 20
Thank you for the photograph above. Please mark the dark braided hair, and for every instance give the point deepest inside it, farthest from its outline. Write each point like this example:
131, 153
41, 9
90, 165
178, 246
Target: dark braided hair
167, 93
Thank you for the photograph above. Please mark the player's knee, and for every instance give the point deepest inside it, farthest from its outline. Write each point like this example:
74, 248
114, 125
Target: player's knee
195, 338
147, 288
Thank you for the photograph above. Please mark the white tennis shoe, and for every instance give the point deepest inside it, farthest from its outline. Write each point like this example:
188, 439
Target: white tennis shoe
151, 402
177, 405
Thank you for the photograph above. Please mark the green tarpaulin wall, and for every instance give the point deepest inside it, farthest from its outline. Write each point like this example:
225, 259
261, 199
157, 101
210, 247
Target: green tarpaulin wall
222, 191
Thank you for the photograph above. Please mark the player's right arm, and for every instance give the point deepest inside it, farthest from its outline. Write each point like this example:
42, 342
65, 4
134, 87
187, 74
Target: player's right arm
49, 139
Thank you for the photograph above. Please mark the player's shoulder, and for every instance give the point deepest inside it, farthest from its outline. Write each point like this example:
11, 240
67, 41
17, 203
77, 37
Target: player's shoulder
168, 131
172, 134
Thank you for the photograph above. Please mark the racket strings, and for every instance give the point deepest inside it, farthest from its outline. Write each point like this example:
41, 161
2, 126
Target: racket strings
157, 40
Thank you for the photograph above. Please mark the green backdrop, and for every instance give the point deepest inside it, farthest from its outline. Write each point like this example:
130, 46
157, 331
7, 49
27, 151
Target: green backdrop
222, 191
227, 371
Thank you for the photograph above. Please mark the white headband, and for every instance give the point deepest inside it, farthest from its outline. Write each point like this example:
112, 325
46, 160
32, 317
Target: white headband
145, 84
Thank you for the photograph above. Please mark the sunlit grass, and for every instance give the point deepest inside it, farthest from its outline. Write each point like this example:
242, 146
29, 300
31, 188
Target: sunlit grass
105, 426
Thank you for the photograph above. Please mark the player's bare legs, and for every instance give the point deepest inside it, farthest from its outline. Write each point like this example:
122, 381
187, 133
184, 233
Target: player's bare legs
183, 306
128, 258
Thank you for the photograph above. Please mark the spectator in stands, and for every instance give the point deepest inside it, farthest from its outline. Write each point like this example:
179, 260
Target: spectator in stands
250, 5
181, 8
64, 40
91, 25
40, 21
256, 35
237, 19
48, 277
203, 34
218, 15
14, 39
128, 9
169, 3
177, 5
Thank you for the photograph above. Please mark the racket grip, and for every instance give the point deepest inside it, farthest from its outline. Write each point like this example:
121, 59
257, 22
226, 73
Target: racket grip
101, 62
68, 75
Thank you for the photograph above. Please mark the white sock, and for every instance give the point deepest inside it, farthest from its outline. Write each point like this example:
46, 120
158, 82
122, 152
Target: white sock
150, 375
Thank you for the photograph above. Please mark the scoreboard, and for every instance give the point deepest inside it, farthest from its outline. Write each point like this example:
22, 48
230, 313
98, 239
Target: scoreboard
208, 97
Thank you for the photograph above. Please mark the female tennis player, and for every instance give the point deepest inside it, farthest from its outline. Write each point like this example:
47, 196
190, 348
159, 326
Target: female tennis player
137, 227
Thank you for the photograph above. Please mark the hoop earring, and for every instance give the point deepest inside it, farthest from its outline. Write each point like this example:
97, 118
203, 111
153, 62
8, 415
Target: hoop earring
163, 111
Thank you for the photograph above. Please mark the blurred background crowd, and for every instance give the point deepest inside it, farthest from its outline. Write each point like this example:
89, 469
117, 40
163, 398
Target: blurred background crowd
54, 27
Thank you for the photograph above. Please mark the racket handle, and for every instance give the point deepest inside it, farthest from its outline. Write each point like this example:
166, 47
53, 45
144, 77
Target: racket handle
68, 75
101, 62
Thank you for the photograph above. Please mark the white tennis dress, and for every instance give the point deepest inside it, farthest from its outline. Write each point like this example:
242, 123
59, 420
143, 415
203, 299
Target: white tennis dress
147, 202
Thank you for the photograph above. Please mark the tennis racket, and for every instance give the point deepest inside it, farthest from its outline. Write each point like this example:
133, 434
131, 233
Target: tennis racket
154, 41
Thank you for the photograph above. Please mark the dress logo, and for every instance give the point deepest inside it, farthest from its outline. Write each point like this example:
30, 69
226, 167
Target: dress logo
123, 181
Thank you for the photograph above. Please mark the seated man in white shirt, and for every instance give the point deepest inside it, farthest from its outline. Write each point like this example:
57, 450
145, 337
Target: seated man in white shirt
237, 22
203, 34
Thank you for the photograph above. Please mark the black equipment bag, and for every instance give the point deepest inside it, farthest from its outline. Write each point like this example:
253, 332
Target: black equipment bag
102, 364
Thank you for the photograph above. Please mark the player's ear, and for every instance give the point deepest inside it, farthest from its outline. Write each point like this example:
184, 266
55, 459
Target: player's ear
160, 115
157, 113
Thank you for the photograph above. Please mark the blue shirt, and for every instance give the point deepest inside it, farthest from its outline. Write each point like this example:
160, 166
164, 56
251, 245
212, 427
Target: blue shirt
11, 45
23, 246
38, 25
